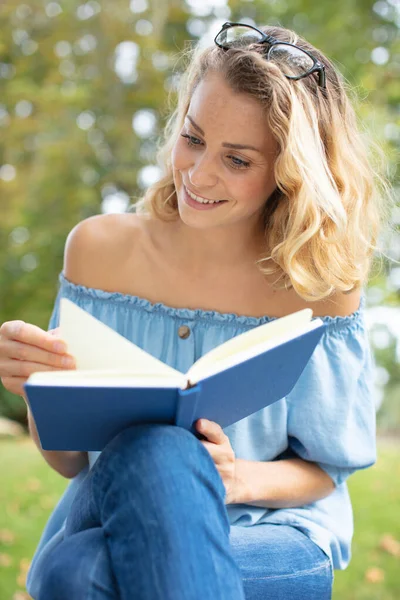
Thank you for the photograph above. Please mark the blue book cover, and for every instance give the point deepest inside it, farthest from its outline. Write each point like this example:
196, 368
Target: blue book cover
85, 408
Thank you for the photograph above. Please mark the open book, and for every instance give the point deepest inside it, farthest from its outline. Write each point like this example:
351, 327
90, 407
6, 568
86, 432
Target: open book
117, 384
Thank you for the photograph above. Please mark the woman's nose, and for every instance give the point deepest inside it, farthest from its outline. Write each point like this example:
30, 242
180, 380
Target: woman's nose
203, 173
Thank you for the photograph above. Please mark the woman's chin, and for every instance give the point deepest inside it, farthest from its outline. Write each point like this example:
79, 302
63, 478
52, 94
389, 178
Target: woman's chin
192, 219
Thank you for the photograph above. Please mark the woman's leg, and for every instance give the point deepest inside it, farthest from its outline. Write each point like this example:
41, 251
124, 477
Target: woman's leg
79, 568
157, 500
278, 562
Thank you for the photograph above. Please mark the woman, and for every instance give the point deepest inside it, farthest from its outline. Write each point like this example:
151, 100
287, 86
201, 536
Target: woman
267, 205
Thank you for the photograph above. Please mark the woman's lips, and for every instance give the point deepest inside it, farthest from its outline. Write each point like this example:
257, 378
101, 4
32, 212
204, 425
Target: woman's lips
199, 205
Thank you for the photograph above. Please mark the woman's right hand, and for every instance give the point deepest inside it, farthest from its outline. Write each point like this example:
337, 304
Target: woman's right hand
25, 349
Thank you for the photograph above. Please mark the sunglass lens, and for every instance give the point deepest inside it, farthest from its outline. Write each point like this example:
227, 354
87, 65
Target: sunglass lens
238, 36
291, 60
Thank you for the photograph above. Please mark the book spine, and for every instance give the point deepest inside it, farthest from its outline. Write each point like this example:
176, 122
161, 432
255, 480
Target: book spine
187, 404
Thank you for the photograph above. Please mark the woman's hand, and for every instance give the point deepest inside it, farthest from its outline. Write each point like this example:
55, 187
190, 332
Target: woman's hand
25, 349
220, 449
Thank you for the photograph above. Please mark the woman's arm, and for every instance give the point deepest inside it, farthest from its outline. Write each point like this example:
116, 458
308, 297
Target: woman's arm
291, 482
271, 484
86, 240
280, 484
67, 464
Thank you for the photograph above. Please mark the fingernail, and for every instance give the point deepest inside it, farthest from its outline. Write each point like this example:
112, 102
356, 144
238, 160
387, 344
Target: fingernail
67, 361
59, 347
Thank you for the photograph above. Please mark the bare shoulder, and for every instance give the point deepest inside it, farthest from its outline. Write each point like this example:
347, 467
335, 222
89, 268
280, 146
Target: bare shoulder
337, 305
96, 246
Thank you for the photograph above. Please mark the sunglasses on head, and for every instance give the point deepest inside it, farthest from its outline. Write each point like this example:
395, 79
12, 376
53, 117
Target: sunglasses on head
294, 62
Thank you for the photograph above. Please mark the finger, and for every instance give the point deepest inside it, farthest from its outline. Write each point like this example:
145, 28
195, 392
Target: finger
22, 368
29, 353
210, 447
15, 385
211, 430
33, 335
214, 452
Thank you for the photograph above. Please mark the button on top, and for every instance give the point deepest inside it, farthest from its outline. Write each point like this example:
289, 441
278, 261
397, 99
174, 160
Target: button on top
184, 332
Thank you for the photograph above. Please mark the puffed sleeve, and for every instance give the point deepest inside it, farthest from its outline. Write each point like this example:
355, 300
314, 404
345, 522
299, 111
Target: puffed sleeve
55, 315
331, 409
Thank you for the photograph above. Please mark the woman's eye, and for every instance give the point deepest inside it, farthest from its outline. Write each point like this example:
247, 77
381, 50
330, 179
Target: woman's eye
191, 141
238, 163
235, 162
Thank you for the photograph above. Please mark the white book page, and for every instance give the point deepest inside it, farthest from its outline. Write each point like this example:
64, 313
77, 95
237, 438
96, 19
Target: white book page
196, 375
108, 378
228, 352
96, 346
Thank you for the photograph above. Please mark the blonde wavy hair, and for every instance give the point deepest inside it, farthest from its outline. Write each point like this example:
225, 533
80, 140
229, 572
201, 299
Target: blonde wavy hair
323, 220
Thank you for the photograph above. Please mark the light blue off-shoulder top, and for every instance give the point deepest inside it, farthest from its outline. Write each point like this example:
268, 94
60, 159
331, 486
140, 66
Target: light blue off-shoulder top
328, 418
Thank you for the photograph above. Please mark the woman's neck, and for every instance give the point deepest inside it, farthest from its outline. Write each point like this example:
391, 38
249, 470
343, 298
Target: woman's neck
219, 247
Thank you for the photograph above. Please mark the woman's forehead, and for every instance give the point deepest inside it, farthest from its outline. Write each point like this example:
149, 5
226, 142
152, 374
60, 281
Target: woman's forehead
214, 91
219, 110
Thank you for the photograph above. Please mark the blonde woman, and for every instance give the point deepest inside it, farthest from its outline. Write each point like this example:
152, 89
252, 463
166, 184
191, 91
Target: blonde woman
267, 205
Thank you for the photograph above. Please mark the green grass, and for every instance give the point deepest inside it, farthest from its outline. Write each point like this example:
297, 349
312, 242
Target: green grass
30, 489
375, 493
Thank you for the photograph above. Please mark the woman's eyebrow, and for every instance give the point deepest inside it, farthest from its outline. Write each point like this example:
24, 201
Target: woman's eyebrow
225, 144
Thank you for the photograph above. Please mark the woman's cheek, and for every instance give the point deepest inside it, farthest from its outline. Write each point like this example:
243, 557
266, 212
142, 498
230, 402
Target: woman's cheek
179, 156
173, 155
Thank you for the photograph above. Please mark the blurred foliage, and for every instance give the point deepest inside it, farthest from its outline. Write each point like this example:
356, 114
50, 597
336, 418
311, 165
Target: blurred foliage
74, 75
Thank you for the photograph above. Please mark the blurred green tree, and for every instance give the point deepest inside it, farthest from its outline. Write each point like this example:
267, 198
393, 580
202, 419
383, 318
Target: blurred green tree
83, 100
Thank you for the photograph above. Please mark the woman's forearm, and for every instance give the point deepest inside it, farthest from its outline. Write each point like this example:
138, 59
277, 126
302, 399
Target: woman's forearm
68, 464
281, 484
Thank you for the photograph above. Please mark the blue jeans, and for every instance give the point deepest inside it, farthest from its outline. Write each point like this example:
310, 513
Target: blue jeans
149, 522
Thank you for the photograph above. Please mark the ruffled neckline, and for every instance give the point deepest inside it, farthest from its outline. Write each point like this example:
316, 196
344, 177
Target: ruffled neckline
193, 313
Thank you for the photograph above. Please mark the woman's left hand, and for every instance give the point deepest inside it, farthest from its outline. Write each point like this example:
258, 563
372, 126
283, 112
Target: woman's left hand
220, 449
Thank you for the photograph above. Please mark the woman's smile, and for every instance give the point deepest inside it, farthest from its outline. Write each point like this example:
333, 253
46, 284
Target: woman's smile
198, 202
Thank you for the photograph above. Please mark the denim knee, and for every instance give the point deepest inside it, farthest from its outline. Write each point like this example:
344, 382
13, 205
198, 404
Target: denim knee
150, 441
150, 435
162, 449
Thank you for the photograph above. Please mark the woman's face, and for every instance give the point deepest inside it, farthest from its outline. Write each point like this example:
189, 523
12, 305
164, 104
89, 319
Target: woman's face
212, 158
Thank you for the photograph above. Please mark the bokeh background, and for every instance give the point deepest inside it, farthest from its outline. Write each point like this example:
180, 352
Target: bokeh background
85, 89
